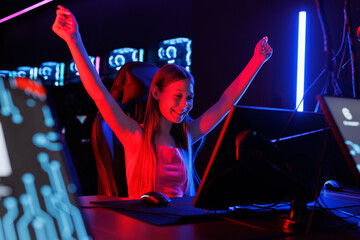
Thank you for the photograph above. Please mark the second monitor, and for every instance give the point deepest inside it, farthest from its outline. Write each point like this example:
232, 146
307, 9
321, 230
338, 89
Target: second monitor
265, 156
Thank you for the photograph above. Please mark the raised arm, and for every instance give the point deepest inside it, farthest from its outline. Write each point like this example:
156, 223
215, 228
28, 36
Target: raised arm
207, 121
66, 27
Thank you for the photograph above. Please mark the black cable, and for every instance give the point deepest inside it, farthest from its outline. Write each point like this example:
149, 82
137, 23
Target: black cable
337, 219
317, 186
315, 81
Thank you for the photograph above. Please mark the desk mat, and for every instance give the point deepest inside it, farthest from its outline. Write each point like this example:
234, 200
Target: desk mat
180, 211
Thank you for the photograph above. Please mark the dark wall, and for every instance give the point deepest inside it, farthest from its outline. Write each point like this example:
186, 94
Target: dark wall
104, 25
227, 31
224, 35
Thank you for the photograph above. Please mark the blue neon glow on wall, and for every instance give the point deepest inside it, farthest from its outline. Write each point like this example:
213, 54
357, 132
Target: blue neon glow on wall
52, 73
175, 50
118, 57
301, 61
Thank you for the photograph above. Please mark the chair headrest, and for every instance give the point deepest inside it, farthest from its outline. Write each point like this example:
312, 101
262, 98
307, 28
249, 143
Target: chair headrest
132, 82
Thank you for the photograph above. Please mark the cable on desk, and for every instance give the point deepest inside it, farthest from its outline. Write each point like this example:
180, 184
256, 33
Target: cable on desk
223, 217
337, 219
272, 206
338, 209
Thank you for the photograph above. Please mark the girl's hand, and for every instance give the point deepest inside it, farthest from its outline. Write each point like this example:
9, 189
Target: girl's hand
65, 25
263, 50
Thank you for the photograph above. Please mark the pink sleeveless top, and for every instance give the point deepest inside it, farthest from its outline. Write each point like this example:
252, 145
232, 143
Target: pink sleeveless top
171, 174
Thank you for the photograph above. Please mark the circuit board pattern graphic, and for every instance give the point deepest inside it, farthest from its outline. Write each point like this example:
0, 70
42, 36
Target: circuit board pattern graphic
37, 198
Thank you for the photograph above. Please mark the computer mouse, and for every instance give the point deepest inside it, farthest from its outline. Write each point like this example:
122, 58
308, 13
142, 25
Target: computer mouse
333, 185
157, 199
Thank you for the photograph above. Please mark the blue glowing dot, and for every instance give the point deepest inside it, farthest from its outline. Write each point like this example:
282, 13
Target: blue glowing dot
40, 140
72, 188
31, 102
46, 190
55, 165
28, 178
5, 111
53, 136
43, 157
10, 202
24, 199
38, 223
17, 118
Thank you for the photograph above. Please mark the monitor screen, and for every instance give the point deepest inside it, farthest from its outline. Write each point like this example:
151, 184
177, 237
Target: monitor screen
38, 183
121, 56
245, 168
25, 71
268, 155
52, 73
175, 50
343, 117
73, 74
6, 73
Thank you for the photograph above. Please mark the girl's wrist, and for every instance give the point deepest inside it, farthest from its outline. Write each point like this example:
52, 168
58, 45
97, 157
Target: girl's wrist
74, 39
258, 60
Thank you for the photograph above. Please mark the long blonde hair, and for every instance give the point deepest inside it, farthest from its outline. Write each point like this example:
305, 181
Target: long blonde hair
143, 177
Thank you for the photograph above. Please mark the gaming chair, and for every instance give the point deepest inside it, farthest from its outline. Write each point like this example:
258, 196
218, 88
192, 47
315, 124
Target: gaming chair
130, 89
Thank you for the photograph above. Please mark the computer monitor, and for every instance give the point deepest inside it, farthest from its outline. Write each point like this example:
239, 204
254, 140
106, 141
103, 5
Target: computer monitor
38, 184
6, 73
175, 50
26, 71
52, 73
254, 162
343, 117
73, 73
120, 56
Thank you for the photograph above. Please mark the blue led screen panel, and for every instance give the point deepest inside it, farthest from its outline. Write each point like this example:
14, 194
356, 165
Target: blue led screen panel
52, 73
25, 71
176, 50
73, 74
118, 57
6, 73
343, 117
37, 191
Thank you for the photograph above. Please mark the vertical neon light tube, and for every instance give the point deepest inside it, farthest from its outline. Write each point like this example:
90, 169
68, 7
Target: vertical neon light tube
300, 81
62, 74
24, 10
141, 55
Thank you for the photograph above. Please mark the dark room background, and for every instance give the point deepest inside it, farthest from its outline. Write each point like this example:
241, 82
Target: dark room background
224, 34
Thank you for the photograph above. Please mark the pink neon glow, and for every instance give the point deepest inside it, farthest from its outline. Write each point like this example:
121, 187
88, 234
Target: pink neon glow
97, 64
25, 10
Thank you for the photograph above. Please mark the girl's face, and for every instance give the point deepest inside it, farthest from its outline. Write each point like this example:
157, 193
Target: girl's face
176, 100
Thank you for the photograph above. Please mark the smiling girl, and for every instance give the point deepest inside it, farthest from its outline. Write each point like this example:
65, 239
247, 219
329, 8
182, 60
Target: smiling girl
158, 153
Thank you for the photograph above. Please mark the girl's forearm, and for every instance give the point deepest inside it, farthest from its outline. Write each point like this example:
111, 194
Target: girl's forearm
237, 88
88, 74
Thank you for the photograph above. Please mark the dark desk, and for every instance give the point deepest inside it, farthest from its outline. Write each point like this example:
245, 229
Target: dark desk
108, 224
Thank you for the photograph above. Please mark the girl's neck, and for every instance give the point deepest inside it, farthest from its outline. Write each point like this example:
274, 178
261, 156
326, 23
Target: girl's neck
165, 126
164, 137
166, 141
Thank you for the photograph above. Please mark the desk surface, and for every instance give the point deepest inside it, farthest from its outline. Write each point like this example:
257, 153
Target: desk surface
109, 224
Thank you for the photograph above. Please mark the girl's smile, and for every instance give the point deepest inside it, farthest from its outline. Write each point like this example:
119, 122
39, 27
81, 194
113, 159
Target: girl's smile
176, 100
